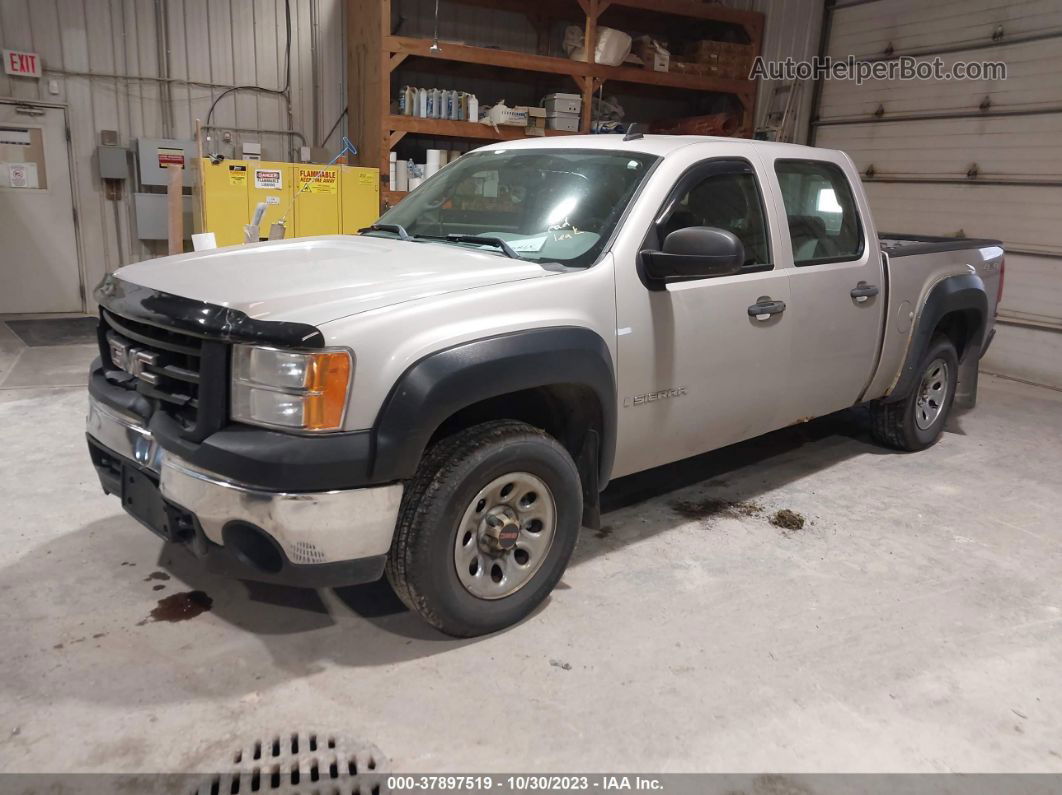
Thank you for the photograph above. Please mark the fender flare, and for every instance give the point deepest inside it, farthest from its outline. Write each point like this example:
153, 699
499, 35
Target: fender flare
964, 292
446, 381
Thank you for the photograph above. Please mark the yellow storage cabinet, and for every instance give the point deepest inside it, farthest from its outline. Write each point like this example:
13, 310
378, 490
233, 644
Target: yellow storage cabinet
222, 200
317, 202
336, 199
270, 183
359, 190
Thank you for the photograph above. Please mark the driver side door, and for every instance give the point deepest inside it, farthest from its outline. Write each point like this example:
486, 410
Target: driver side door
700, 369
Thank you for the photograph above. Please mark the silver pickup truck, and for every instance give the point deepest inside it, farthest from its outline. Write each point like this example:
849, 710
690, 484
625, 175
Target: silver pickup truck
444, 397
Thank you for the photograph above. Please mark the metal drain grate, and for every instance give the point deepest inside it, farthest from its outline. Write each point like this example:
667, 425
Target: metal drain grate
300, 763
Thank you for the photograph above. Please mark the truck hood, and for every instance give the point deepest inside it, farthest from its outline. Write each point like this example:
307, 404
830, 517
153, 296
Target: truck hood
318, 279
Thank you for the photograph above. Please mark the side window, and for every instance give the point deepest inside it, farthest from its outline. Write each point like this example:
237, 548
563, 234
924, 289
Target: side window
727, 200
823, 219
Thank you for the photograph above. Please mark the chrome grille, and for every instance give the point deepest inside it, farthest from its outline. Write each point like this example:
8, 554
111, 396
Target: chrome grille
166, 364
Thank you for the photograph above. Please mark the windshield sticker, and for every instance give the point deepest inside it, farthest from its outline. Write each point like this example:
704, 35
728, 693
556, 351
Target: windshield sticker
528, 243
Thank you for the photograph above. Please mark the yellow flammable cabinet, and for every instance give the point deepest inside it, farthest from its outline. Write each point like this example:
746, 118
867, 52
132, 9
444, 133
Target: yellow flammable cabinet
221, 203
317, 200
359, 193
336, 199
270, 183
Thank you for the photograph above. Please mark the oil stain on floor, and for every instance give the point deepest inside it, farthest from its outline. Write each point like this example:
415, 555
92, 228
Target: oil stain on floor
180, 607
713, 506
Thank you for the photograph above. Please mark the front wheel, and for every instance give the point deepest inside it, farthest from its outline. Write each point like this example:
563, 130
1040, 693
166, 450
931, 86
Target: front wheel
917, 421
486, 528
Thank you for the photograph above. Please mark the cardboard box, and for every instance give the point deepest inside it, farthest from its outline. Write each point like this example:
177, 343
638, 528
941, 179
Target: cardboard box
562, 103
501, 114
660, 62
568, 122
536, 121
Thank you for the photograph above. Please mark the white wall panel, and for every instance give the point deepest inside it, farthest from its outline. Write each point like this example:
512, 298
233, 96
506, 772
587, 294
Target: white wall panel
1011, 146
333, 77
1025, 218
913, 25
1033, 289
1034, 74
1026, 353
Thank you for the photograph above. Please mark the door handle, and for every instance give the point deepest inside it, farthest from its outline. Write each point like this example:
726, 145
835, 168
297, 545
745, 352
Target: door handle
765, 307
862, 291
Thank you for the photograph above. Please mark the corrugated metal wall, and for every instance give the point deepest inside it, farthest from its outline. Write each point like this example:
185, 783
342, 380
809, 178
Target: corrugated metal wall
110, 60
793, 29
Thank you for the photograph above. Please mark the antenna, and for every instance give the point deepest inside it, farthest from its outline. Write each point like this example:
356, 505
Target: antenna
635, 131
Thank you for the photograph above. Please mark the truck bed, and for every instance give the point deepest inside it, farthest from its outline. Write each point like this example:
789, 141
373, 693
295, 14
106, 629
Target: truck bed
899, 245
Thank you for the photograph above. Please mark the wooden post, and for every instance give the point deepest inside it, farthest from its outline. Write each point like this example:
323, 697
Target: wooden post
590, 8
175, 205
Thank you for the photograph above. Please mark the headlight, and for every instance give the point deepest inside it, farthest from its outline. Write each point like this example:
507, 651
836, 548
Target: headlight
291, 389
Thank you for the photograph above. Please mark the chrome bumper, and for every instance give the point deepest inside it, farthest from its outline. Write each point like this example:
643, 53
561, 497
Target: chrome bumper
311, 528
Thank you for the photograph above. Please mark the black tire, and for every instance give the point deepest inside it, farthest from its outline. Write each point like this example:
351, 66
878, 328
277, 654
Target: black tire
894, 424
421, 564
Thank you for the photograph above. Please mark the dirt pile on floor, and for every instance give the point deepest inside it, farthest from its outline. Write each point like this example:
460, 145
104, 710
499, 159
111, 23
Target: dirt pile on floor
788, 520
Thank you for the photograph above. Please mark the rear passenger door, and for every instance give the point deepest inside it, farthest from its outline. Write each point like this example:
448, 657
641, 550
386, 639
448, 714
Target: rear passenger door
836, 285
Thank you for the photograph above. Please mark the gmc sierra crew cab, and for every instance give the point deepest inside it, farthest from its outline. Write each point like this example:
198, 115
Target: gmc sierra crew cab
444, 396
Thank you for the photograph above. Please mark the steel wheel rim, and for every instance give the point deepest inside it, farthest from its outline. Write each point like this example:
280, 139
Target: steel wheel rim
519, 503
932, 394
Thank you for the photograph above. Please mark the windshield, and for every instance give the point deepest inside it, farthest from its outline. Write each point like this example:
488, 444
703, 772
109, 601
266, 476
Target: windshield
548, 205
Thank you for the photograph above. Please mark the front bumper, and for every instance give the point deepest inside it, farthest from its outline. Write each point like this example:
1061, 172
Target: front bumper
314, 539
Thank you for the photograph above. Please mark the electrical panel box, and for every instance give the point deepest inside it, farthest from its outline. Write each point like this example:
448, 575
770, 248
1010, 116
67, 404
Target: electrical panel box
152, 213
341, 200
155, 155
113, 162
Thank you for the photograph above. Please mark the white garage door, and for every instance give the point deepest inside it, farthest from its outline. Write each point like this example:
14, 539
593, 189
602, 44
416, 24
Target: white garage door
980, 158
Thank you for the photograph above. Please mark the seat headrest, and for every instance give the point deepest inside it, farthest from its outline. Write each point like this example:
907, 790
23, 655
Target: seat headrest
807, 226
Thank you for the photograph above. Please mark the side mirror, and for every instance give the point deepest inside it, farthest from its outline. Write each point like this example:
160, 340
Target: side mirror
695, 252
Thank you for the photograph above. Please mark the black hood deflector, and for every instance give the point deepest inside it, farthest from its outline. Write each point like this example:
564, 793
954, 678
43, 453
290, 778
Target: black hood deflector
199, 318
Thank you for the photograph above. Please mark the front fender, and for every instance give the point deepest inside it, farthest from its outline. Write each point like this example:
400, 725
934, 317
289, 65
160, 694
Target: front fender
440, 384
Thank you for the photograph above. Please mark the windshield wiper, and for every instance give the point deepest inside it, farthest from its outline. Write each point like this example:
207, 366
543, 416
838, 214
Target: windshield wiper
396, 229
487, 241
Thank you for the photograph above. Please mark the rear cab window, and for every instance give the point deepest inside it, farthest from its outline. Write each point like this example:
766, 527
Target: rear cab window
824, 224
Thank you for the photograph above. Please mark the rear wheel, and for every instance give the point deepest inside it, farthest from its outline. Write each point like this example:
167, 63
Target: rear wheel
917, 421
487, 527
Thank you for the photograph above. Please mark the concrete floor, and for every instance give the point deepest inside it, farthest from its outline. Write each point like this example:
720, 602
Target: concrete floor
914, 624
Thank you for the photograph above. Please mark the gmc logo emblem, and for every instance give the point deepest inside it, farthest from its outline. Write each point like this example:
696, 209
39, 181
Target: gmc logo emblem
132, 360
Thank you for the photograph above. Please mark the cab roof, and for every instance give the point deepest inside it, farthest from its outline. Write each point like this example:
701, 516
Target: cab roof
660, 145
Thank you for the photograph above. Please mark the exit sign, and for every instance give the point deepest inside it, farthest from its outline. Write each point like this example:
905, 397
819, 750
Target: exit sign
22, 64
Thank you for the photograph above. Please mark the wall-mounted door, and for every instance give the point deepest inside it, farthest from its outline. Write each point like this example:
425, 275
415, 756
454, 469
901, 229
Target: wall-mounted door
38, 261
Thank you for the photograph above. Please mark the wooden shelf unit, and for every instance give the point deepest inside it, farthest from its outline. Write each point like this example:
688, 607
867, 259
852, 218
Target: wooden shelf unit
443, 128
374, 54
